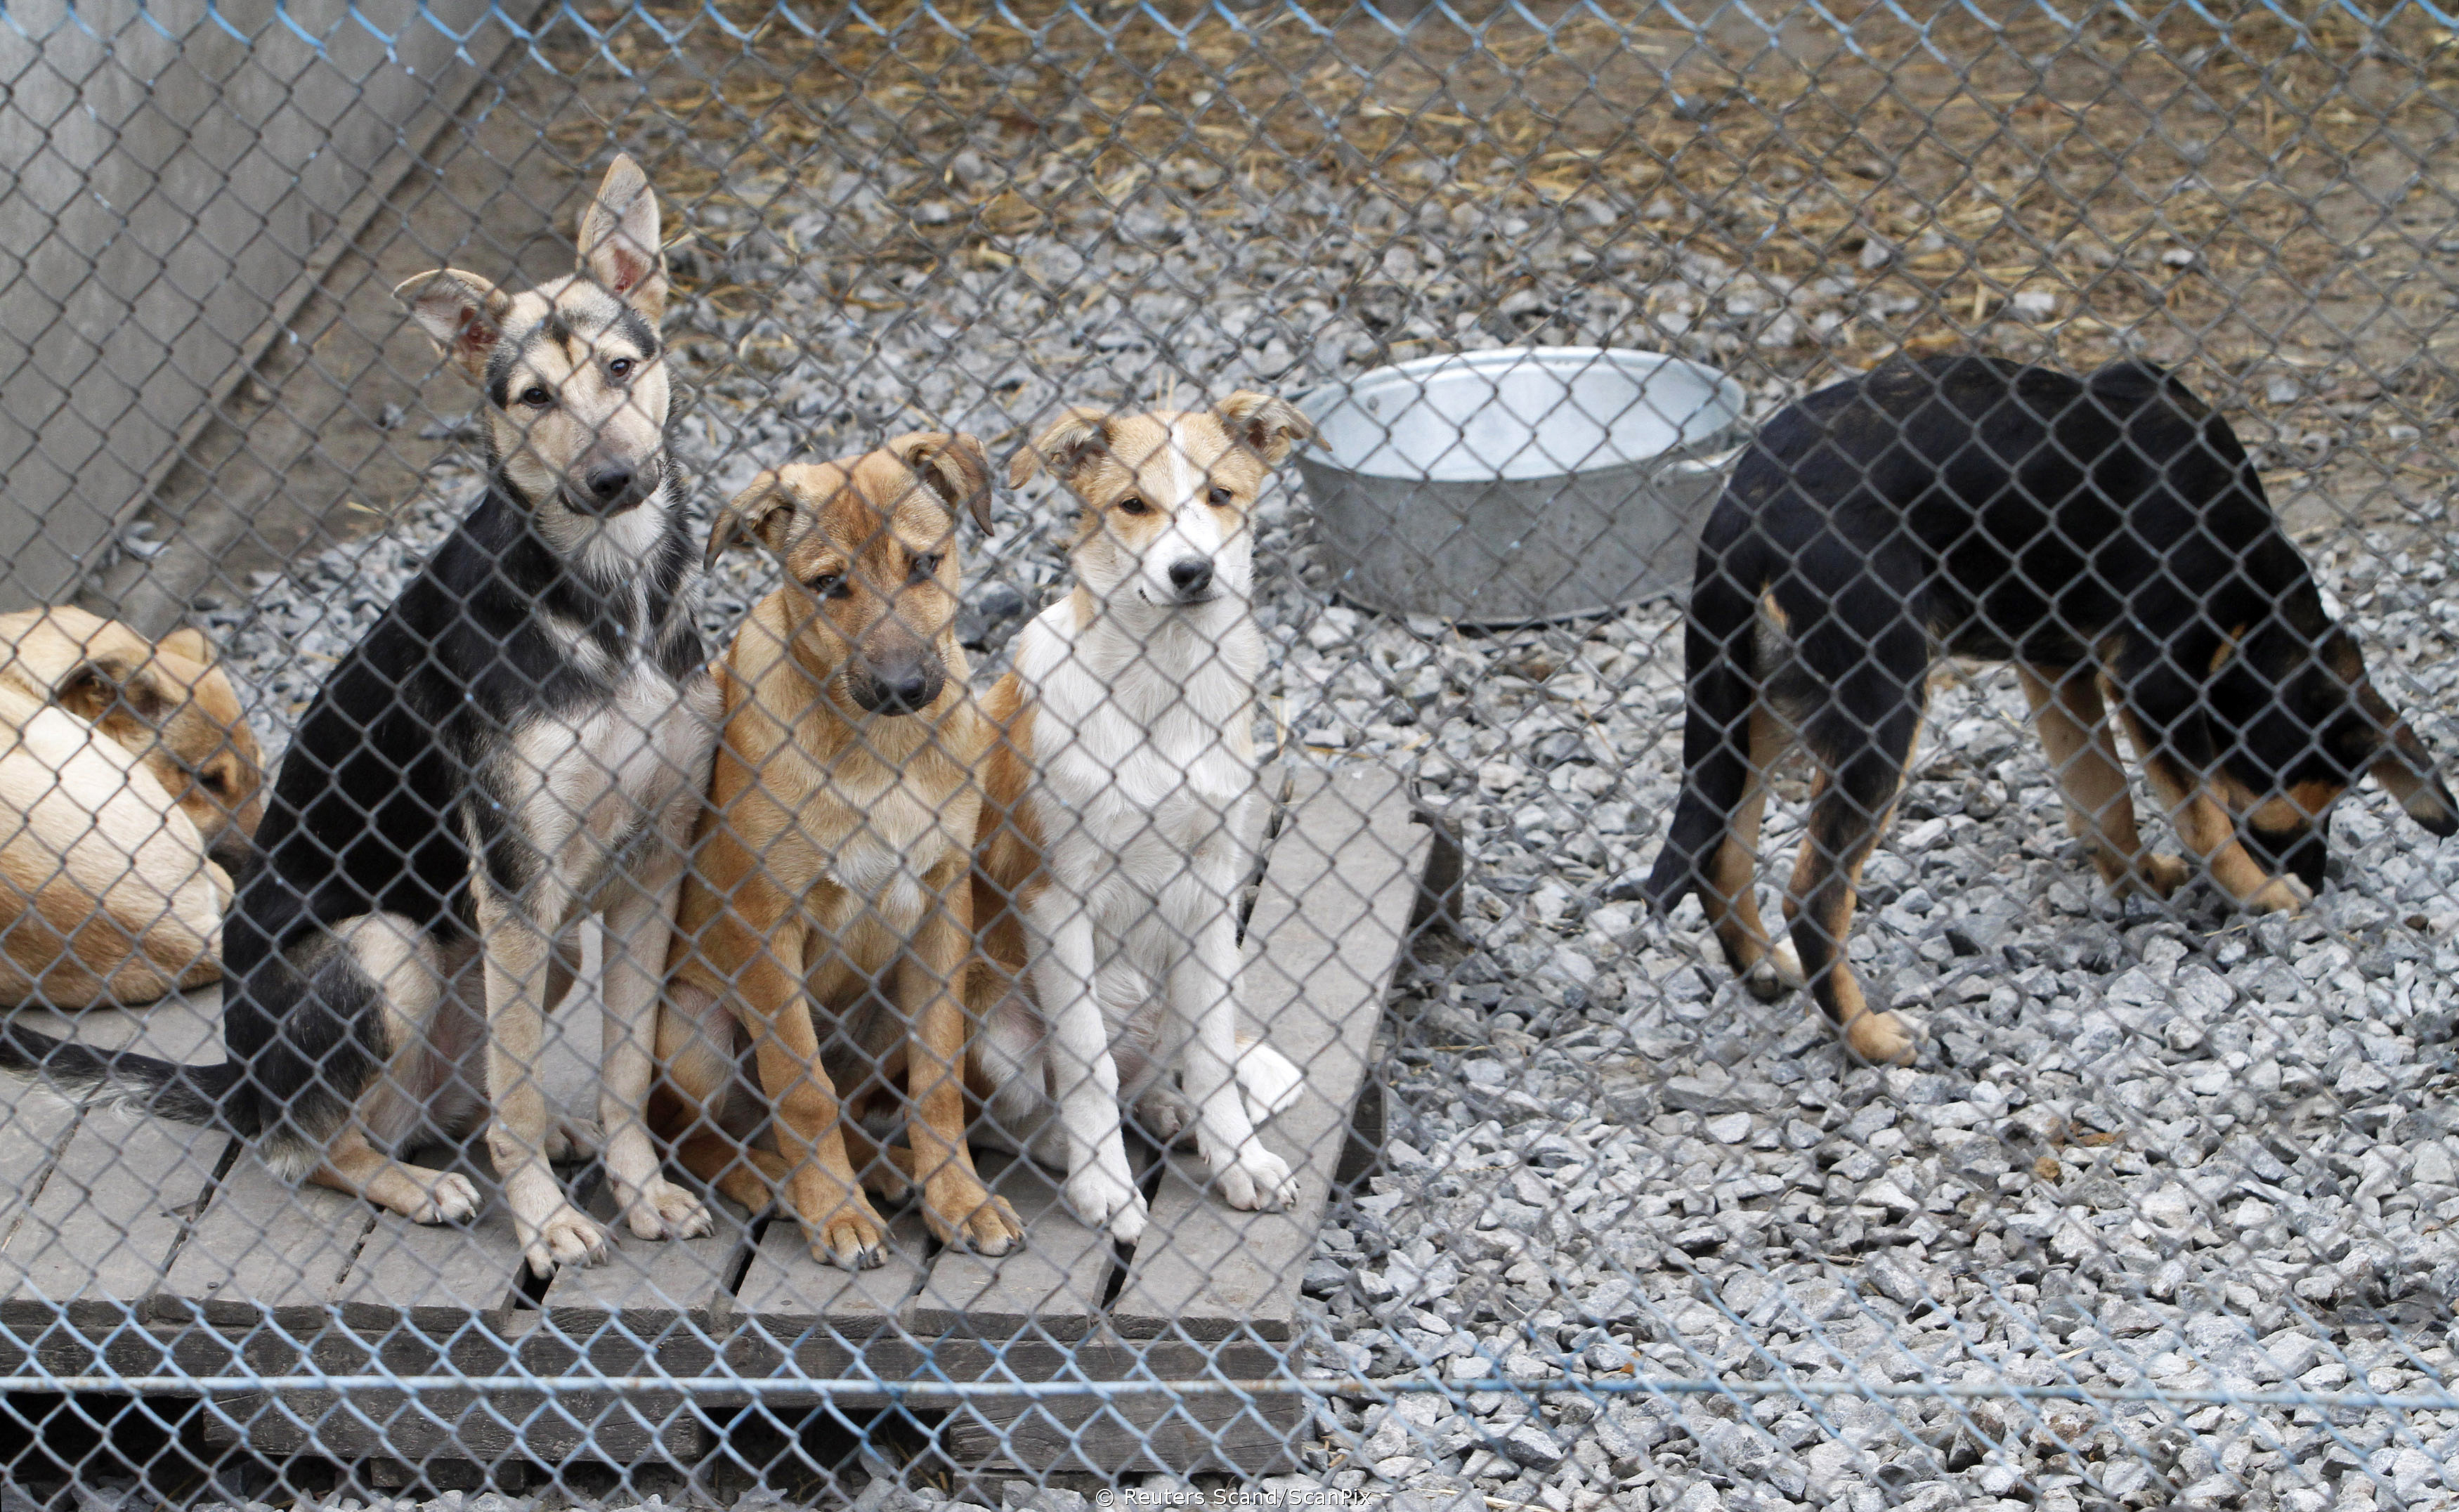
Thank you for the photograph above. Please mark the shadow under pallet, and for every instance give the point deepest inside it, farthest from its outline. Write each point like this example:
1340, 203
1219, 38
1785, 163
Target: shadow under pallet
139, 1248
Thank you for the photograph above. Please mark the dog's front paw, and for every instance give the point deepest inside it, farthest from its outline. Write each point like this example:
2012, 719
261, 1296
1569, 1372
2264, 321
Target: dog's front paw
449, 1199
853, 1237
1255, 1178
570, 1237
572, 1139
1882, 1038
1777, 972
1106, 1200
968, 1217
2279, 896
665, 1210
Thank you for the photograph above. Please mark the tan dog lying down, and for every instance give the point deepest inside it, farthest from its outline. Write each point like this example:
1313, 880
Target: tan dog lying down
128, 786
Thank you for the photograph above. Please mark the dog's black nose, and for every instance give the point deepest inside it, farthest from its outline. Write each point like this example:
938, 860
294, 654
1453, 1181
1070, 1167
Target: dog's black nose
1191, 576
912, 691
610, 483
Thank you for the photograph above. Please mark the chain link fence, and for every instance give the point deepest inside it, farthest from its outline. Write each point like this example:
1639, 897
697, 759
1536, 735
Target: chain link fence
1275, 447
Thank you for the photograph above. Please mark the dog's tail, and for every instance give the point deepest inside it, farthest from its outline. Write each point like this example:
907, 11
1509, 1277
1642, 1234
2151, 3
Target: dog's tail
1720, 661
206, 1095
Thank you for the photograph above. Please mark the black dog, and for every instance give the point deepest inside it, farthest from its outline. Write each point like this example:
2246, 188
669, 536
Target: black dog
2108, 535
523, 739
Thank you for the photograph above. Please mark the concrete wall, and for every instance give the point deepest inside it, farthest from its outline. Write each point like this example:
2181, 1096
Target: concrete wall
167, 170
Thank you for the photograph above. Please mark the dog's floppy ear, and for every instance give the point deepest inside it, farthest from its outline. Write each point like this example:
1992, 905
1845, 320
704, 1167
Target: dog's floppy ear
461, 312
620, 245
759, 513
1264, 423
1065, 446
954, 466
111, 684
190, 643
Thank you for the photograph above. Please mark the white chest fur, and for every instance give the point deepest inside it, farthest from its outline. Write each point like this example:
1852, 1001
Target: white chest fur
588, 784
1141, 741
894, 831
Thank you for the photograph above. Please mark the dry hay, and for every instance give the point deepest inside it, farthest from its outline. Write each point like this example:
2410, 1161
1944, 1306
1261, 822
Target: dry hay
2200, 192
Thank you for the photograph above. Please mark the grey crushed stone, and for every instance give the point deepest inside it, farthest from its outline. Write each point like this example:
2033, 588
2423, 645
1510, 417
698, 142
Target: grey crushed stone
2143, 1146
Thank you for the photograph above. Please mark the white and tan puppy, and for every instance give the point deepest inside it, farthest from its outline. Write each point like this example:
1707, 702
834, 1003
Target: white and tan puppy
128, 786
1117, 806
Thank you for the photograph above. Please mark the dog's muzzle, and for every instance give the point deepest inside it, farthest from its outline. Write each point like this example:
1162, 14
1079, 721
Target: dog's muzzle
613, 489
902, 690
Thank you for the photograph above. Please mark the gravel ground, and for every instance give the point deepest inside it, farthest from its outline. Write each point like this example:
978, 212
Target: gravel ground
2143, 1147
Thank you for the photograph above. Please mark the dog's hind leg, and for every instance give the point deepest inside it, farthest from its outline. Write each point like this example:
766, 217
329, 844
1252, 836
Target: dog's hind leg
394, 963
2073, 721
1728, 893
352, 1164
1862, 743
1731, 738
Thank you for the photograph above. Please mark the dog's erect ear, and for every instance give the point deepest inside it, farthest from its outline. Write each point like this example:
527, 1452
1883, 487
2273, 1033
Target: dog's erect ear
461, 312
1265, 424
190, 643
115, 683
1065, 446
760, 513
620, 245
954, 466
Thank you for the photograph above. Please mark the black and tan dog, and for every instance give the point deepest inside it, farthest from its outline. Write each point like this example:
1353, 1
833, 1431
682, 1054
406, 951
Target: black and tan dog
2108, 535
521, 742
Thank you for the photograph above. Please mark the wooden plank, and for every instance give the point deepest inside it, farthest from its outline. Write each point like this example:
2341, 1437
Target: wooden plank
1140, 1431
1051, 1288
799, 1316
438, 1278
267, 1250
787, 1292
1148, 1431
1329, 929
32, 1135
655, 1305
98, 1241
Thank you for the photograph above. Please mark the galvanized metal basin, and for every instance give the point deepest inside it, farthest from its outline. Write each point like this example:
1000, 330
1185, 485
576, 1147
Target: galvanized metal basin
1527, 483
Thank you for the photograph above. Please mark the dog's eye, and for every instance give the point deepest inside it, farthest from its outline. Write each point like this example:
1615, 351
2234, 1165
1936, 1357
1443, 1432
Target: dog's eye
536, 397
926, 567
215, 782
829, 585
1222, 499
621, 367
1132, 505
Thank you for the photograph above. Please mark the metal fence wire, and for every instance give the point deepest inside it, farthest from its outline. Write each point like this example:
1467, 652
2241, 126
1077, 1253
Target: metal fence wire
990, 753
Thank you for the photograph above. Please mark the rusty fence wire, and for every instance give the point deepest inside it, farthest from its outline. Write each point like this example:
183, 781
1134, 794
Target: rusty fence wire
1490, 756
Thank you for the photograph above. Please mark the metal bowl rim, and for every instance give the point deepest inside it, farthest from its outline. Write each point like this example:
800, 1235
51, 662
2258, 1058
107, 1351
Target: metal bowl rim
1322, 399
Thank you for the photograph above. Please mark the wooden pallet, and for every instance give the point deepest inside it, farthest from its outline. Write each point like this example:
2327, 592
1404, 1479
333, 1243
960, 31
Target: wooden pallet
139, 1247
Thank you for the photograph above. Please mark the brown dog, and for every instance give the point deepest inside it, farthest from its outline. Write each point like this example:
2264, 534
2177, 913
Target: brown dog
124, 766
837, 857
